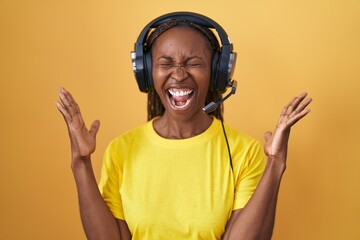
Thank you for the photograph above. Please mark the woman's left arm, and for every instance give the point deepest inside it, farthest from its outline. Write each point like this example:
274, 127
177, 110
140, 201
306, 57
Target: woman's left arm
256, 219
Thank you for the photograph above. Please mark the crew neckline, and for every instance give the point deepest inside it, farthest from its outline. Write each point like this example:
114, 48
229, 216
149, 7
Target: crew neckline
212, 130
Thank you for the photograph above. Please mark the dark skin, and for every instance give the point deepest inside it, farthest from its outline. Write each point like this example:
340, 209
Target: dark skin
180, 64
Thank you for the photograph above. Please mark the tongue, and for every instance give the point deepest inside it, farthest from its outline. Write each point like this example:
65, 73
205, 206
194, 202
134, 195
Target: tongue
180, 101
181, 98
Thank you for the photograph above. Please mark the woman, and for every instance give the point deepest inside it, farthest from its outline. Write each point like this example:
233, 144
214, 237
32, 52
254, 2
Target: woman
177, 176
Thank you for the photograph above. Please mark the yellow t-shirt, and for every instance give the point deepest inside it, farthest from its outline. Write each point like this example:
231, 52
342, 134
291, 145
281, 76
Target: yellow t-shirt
179, 189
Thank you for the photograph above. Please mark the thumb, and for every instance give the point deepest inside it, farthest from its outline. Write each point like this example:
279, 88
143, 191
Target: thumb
267, 135
94, 128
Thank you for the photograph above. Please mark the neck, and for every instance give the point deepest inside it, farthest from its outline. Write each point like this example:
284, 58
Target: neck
168, 127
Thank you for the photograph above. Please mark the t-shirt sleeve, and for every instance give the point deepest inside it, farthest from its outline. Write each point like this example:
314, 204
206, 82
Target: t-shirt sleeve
249, 175
110, 182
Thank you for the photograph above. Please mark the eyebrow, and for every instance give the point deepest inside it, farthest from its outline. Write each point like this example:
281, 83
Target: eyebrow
185, 60
164, 57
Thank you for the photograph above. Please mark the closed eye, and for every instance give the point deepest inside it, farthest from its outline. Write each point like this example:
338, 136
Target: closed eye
165, 65
193, 62
168, 62
165, 62
193, 65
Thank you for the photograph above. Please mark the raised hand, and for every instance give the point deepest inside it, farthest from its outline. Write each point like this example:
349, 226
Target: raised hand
277, 143
83, 141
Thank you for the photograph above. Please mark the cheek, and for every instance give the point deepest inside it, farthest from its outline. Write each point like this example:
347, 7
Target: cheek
159, 79
204, 78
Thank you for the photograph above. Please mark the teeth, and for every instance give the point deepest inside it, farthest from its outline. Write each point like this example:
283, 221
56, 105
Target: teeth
179, 93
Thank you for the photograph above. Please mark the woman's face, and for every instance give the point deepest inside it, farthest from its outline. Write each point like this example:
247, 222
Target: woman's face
181, 70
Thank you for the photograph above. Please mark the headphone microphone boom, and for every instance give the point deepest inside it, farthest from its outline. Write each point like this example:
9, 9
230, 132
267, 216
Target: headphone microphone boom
213, 105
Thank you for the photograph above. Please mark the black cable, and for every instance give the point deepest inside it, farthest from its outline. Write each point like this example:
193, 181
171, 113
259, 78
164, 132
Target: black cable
226, 139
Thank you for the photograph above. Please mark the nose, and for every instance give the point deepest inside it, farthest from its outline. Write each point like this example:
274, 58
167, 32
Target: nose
179, 73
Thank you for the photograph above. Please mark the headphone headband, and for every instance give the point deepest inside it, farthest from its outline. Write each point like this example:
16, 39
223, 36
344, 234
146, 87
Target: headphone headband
192, 17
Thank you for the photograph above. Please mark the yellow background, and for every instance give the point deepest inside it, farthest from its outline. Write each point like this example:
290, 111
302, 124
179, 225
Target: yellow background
284, 48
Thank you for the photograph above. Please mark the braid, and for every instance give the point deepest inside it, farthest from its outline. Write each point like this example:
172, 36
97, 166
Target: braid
182, 22
155, 107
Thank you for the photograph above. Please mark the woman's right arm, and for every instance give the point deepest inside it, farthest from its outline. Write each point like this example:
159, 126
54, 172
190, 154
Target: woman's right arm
97, 219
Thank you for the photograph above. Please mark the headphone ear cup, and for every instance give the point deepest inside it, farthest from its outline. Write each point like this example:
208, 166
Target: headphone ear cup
148, 71
142, 67
138, 62
214, 71
225, 66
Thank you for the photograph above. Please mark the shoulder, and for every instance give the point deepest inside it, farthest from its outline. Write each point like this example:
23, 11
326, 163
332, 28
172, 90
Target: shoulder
243, 145
238, 136
130, 136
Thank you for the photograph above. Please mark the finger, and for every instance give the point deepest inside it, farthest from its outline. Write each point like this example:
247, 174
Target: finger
287, 110
283, 114
68, 102
293, 107
301, 107
267, 135
71, 100
65, 101
63, 111
94, 128
294, 103
297, 117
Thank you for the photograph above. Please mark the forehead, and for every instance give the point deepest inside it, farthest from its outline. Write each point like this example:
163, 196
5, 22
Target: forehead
182, 36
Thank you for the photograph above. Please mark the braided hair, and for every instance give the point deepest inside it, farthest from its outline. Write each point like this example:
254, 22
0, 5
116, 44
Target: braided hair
154, 106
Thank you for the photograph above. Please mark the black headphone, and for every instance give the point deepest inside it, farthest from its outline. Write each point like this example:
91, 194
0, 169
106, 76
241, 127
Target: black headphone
223, 61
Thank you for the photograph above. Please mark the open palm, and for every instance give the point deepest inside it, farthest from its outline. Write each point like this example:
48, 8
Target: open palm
276, 142
83, 141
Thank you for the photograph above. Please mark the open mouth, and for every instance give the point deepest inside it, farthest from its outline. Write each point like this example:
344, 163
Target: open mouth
180, 98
